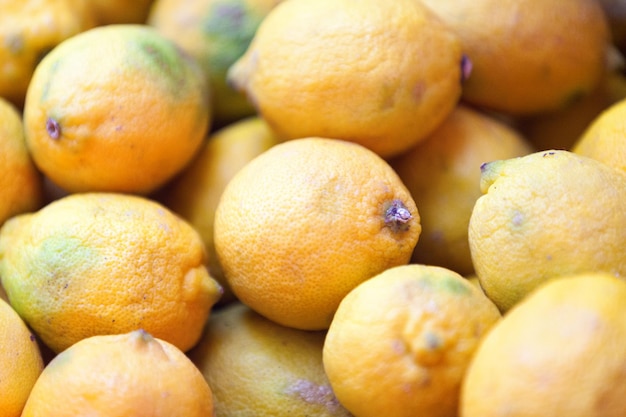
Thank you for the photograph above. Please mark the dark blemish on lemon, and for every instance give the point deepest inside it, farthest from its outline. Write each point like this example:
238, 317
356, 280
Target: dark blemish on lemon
397, 216
32, 338
53, 128
545, 154
466, 68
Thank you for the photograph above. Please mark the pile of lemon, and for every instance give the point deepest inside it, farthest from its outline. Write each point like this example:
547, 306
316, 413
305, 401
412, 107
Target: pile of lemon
354, 208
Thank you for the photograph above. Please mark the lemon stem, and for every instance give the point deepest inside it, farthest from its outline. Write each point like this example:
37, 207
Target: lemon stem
397, 216
53, 128
466, 68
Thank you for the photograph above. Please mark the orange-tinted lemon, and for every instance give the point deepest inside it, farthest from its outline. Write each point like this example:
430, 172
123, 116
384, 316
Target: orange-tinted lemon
29, 29
109, 12
21, 362
116, 108
382, 74
400, 342
131, 374
529, 56
21, 184
196, 192
307, 220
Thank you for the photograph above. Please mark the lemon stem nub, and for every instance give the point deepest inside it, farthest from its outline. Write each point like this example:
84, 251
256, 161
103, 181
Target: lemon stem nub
466, 68
397, 216
53, 128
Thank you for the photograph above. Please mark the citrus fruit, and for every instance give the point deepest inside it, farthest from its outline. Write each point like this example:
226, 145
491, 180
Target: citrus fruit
382, 74
561, 128
116, 108
256, 367
29, 29
130, 374
21, 184
542, 215
528, 56
120, 11
307, 220
443, 173
100, 263
559, 352
603, 140
400, 342
195, 193
216, 33
20, 362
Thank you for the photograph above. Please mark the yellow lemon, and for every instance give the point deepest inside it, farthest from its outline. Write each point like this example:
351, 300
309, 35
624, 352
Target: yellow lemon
542, 215
256, 367
559, 352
